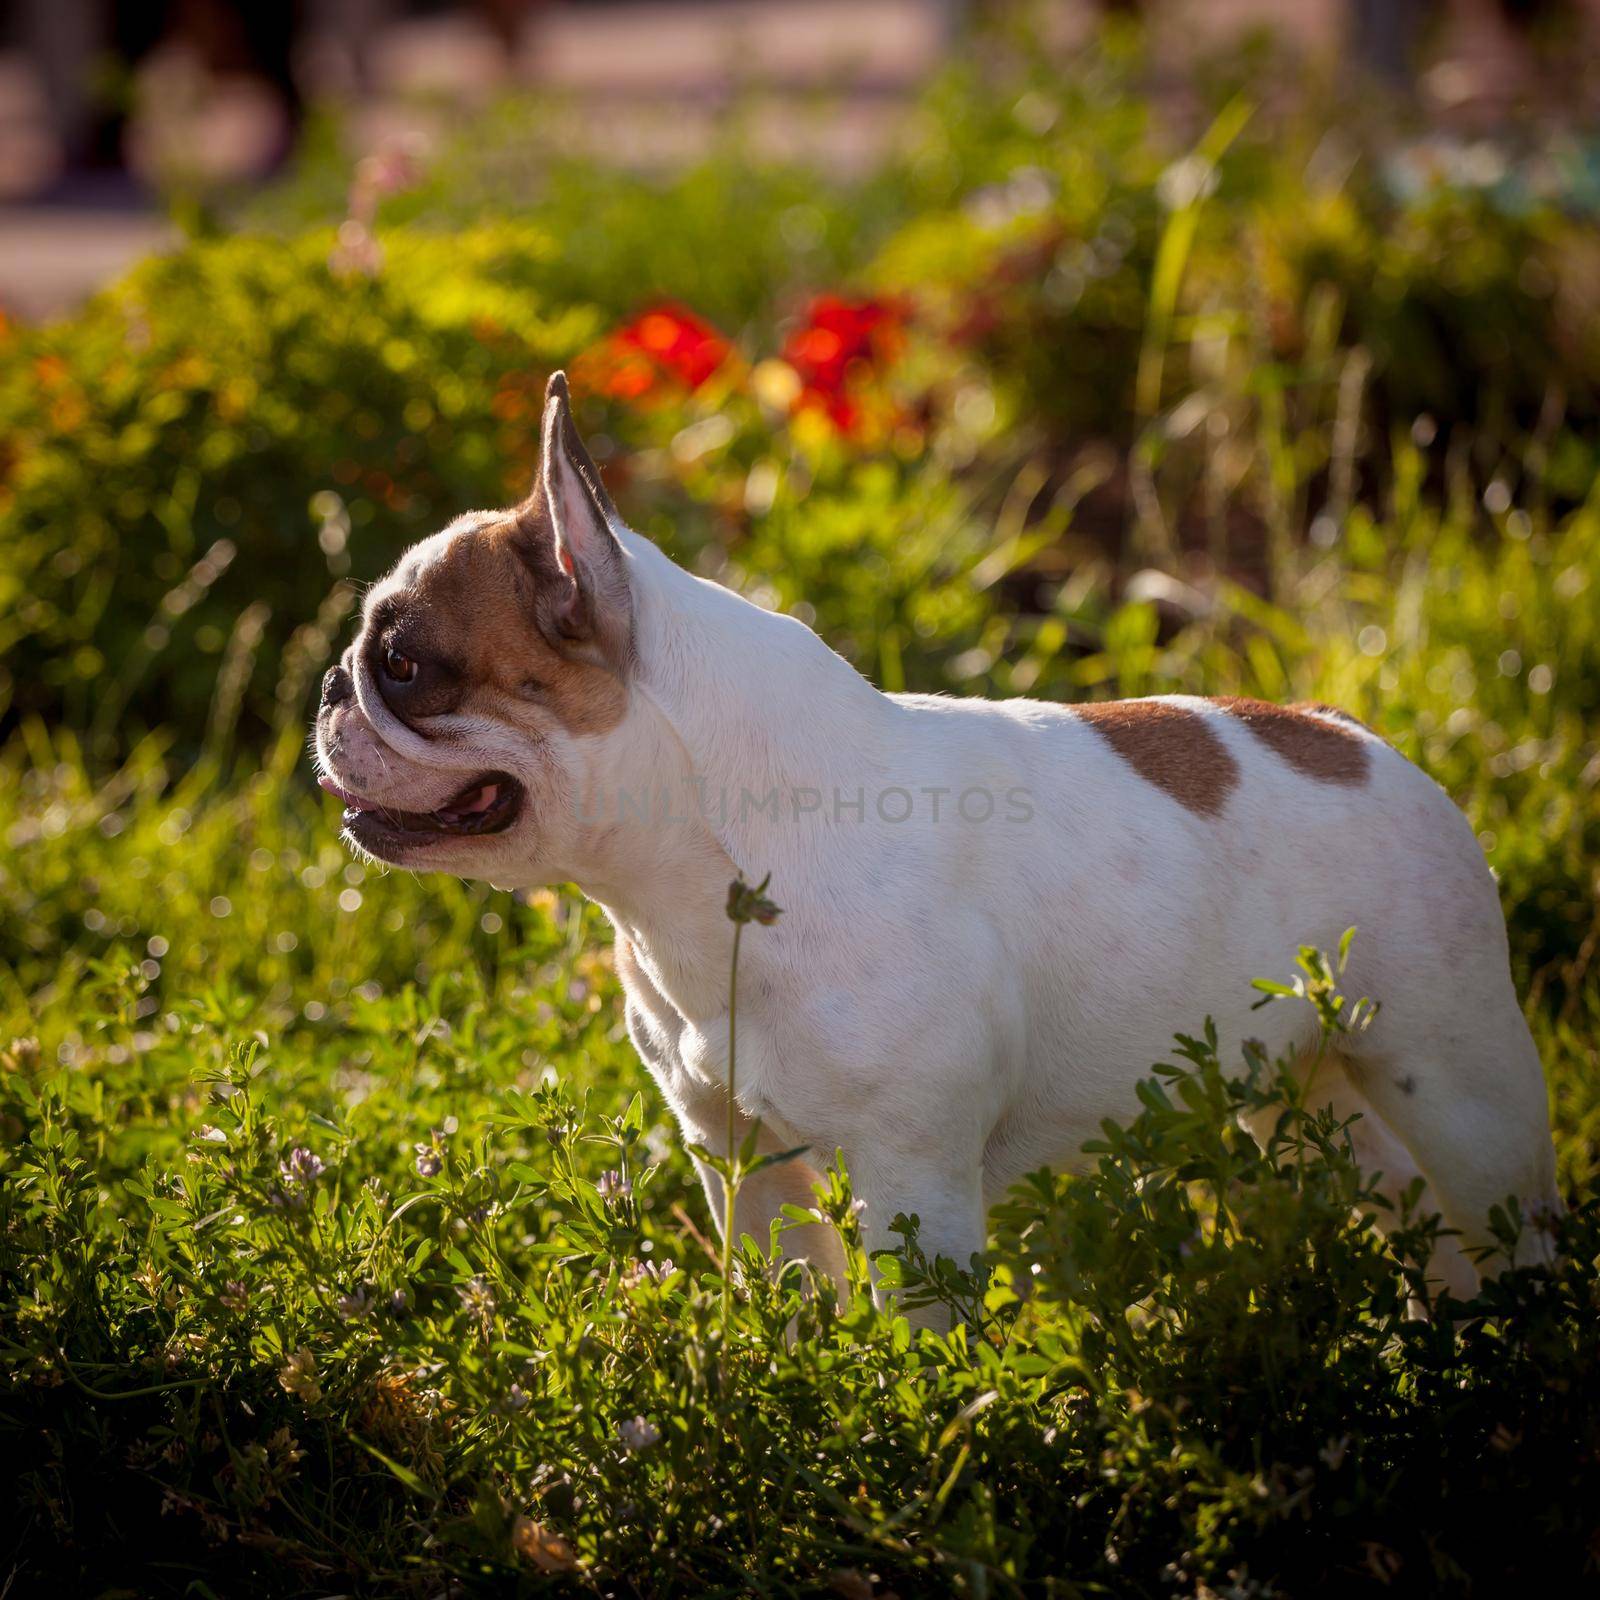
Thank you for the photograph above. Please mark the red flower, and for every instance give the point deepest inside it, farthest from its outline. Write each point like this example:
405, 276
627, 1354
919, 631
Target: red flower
686, 345
841, 346
664, 347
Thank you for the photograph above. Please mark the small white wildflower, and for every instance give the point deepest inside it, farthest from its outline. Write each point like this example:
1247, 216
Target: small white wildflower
637, 1434
476, 1295
357, 1304
299, 1376
302, 1167
637, 1272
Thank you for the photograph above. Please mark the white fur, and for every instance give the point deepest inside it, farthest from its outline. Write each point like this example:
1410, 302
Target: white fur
953, 1004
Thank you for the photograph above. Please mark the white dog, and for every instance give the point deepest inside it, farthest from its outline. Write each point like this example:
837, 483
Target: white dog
994, 915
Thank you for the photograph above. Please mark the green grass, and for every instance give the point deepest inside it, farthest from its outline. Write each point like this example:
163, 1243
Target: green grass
308, 1282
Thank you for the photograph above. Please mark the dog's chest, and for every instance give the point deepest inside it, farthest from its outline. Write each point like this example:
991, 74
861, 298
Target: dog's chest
688, 1056
682, 1055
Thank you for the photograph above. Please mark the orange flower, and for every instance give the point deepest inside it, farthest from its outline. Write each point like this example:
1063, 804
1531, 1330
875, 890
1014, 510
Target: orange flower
544, 1547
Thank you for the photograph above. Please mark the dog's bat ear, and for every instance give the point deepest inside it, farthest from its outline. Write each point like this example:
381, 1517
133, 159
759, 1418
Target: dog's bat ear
566, 532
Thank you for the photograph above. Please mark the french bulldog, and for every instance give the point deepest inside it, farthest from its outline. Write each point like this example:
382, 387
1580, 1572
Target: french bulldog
995, 914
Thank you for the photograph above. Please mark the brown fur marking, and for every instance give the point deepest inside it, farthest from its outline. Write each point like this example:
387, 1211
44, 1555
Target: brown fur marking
1169, 746
1311, 744
477, 608
1333, 711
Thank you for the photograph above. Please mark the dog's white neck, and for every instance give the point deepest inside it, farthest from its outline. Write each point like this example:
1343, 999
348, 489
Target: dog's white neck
732, 705
759, 701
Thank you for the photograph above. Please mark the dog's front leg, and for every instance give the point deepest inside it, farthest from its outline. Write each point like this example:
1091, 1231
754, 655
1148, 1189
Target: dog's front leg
763, 1195
942, 1190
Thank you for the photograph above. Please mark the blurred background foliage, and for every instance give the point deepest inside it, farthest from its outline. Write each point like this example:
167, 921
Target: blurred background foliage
1201, 350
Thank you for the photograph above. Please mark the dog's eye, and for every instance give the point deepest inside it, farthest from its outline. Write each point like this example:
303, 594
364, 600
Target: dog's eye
401, 668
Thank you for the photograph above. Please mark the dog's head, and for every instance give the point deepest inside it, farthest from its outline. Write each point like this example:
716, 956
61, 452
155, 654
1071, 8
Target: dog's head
491, 669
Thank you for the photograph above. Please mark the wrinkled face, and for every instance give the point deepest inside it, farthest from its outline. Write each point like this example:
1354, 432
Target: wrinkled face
448, 729
490, 667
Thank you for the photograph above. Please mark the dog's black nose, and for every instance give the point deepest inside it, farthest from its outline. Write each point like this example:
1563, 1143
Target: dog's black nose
336, 686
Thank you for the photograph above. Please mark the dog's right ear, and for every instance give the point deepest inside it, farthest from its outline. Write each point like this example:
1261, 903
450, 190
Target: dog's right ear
565, 532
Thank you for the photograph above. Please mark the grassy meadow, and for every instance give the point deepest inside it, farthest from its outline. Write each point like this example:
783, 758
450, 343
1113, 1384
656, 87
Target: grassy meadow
345, 1246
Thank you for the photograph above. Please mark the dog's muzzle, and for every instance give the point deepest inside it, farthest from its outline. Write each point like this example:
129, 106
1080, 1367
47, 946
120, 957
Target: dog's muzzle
337, 687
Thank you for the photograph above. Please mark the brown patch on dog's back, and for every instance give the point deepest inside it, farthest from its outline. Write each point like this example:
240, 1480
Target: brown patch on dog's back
1169, 746
1313, 745
479, 598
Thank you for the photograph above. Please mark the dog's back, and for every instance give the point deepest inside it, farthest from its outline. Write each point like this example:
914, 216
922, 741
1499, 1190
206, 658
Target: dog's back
1184, 847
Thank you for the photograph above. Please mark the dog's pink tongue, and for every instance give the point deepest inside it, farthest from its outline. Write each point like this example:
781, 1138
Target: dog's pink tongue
480, 799
354, 801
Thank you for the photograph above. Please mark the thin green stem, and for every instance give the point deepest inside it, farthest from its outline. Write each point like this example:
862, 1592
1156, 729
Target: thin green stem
730, 1179
131, 1394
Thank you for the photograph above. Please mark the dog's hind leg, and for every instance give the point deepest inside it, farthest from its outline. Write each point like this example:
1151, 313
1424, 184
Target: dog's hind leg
1386, 1163
1464, 1093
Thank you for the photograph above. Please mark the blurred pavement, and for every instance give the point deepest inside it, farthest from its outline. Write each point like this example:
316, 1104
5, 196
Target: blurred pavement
829, 81
53, 258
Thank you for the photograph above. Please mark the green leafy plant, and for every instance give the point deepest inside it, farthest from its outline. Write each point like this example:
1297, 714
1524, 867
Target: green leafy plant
328, 1346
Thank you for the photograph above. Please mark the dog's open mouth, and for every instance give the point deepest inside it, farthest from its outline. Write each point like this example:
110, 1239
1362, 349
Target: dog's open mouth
488, 804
